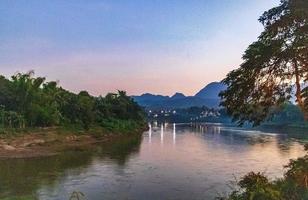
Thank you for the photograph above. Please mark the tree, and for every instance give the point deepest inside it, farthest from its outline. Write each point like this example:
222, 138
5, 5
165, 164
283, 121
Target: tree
50, 104
86, 105
27, 93
272, 66
6, 94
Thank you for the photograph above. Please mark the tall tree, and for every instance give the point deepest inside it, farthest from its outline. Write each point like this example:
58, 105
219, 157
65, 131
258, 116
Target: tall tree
6, 94
27, 90
272, 66
86, 106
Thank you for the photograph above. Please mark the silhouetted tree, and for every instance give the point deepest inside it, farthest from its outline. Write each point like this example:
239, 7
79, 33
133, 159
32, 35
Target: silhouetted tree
272, 65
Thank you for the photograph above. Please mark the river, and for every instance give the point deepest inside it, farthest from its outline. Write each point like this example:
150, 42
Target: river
169, 161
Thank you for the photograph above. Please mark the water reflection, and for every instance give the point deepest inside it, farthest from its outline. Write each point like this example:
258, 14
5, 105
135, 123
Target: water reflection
162, 133
174, 135
23, 177
209, 155
170, 161
150, 133
205, 128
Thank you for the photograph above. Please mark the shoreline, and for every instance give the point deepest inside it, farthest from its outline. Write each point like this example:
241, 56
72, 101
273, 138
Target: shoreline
50, 142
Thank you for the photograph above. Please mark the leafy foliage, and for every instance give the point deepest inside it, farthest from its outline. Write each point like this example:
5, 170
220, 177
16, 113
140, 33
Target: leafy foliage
28, 101
272, 65
286, 114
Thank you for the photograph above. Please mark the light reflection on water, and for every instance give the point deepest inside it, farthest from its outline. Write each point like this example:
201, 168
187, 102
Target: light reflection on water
170, 161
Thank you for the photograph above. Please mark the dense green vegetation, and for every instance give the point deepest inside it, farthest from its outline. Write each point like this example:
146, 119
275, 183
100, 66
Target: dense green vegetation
28, 101
287, 114
293, 186
275, 67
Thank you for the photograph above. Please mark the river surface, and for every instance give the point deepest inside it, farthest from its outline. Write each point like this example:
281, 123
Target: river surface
170, 161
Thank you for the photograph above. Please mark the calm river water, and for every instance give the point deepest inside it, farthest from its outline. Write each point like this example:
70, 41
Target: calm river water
170, 161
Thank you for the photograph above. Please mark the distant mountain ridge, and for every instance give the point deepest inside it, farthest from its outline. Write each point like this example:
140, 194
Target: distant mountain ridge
211, 90
178, 95
208, 96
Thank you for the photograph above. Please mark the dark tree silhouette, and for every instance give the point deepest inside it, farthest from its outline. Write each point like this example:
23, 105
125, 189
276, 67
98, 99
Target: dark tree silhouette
273, 65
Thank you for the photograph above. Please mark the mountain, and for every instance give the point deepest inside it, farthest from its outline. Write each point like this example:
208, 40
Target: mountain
211, 91
148, 99
208, 97
189, 101
178, 95
151, 97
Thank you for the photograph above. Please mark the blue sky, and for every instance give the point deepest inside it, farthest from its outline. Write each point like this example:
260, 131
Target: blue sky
158, 46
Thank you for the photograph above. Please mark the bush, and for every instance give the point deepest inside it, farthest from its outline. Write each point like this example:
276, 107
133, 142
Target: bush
10, 119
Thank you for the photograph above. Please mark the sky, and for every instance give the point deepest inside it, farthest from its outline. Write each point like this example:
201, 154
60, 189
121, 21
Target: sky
156, 46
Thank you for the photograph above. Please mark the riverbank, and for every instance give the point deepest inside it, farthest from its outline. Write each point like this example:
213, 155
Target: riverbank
42, 142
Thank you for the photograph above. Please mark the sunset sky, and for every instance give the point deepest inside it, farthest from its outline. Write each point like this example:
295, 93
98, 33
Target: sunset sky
157, 46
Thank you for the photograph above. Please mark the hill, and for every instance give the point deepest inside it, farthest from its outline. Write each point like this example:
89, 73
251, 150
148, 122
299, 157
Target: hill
211, 91
208, 96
